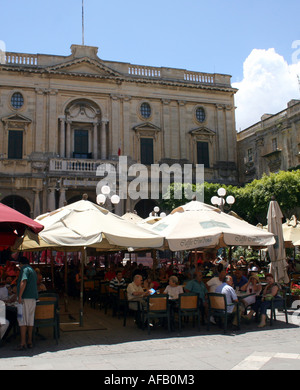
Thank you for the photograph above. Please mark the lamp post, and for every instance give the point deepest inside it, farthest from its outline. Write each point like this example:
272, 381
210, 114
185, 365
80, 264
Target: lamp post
221, 201
105, 191
155, 212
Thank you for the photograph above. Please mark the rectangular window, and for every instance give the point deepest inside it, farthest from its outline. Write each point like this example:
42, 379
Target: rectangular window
15, 144
250, 155
81, 144
203, 154
274, 144
147, 157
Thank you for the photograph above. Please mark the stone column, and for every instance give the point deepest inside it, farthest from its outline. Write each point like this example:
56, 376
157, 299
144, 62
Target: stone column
95, 141
62, 138
182, 130
52, 130
62, 197
103, 140
51, 199
39, 119
166, 139
37, 204
222, 147
231, 136
68, 141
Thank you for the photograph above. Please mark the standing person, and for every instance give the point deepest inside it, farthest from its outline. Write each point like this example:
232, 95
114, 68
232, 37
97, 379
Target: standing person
27, 295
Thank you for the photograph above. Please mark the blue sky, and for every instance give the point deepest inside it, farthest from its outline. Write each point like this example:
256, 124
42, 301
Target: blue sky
206, 36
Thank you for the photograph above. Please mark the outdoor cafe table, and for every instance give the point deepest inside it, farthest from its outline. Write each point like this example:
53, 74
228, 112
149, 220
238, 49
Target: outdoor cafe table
243, 294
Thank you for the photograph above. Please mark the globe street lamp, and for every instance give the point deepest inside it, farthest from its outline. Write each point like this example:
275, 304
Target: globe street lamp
155, 212
105, 191
220, 201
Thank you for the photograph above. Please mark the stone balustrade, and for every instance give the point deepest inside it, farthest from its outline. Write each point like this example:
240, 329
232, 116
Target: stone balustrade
76, 165
21, 59
138, 71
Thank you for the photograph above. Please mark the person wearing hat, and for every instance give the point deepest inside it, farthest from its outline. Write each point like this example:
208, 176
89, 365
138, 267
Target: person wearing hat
27, 293
252, 286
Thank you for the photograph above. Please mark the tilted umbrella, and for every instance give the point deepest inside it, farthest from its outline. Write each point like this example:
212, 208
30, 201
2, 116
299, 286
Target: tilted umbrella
13, 225
276, 251
198, 225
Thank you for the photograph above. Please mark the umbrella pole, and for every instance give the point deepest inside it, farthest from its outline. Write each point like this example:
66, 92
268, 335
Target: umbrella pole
83, 260
52, 268
66, 282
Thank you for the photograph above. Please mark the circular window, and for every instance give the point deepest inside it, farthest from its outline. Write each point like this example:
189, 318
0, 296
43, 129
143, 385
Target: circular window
200, 114
17, 100
145, 110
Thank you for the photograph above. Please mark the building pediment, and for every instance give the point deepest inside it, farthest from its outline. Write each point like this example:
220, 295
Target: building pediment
202, 131
84, 66
16, 118
147, 127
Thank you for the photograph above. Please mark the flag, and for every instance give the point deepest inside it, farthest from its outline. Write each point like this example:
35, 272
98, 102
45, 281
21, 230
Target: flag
119, 151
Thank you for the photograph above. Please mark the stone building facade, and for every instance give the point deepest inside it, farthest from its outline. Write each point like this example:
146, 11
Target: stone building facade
271, 145
63, 116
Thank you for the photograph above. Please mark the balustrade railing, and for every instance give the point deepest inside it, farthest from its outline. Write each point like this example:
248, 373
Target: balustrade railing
20, 59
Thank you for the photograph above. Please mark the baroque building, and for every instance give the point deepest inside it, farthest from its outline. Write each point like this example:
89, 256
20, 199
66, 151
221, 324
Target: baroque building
61, 117
271, 145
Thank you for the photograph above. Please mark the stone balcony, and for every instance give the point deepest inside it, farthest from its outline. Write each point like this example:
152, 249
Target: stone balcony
77, 166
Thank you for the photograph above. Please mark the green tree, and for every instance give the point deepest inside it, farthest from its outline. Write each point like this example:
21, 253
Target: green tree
251, 201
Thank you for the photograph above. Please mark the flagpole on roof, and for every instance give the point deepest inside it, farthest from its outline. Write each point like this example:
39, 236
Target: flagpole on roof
82, 22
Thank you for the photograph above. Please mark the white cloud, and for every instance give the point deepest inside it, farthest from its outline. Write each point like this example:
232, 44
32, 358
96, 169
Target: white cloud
269, 83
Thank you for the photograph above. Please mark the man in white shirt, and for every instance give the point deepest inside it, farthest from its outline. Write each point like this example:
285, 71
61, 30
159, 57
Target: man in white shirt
135, 292
135, 295
216, 281
231, 297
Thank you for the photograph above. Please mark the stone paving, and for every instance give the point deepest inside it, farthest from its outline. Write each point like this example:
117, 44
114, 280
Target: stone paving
114, 347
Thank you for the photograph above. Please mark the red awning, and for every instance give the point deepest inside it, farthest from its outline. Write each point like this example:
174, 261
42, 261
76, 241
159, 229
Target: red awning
13, 225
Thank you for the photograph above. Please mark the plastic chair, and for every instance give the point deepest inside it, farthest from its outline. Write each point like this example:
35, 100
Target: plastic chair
218, 307
45, 317
188, 306
157, 307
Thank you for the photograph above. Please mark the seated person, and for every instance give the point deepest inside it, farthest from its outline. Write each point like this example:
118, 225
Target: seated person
135, 292
91, 270
241, 262
150, 283
272, 290
239, 279
173, 290
118, 281
110, 273
252, 286
197, 286
216, 281
40, 285
227, 288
